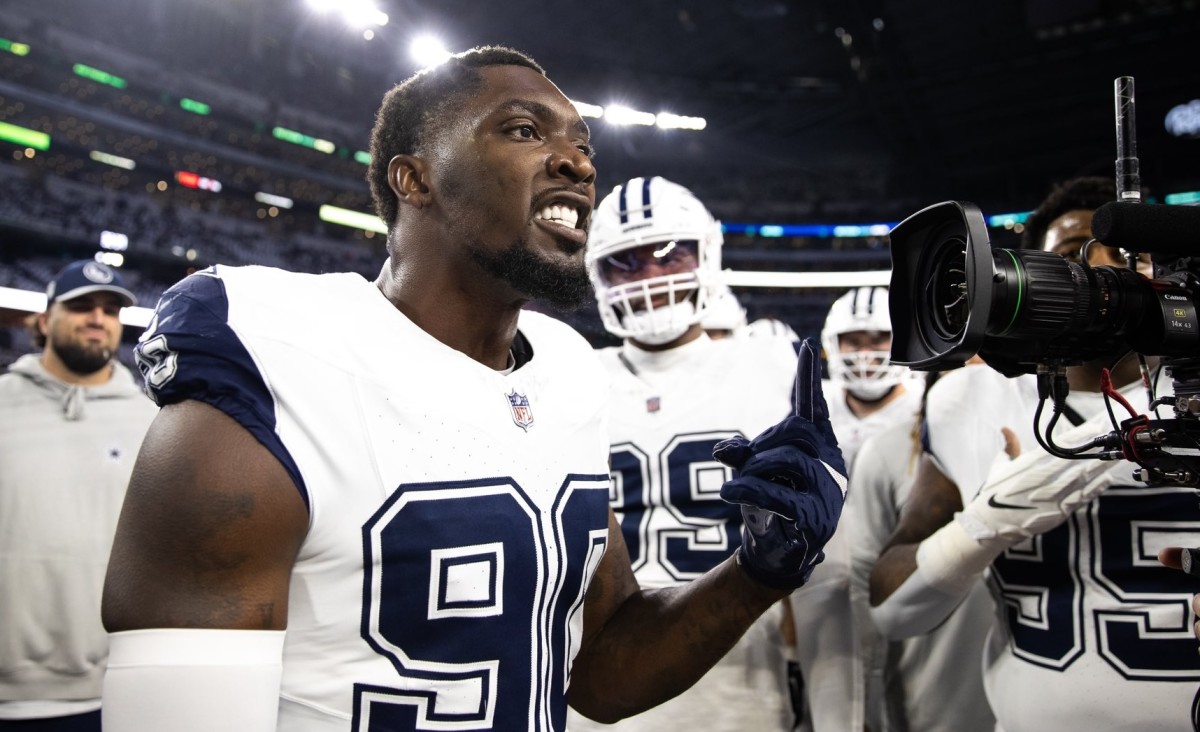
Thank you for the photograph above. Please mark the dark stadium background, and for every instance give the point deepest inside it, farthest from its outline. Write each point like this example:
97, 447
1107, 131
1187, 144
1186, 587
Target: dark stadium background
819, 112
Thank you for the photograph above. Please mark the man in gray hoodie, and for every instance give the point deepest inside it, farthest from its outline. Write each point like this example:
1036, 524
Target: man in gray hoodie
71, 421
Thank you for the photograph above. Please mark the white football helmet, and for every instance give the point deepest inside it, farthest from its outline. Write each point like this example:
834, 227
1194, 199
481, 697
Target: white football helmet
868, 375
647, 211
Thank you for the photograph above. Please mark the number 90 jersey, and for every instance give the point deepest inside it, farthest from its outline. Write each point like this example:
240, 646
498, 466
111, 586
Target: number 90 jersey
456, 513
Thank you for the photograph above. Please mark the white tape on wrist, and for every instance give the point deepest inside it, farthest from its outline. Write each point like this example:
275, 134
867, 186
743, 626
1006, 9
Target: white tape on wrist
190, 680
951, 560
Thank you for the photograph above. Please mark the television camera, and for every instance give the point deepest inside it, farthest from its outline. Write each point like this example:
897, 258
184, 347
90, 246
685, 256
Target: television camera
953, 296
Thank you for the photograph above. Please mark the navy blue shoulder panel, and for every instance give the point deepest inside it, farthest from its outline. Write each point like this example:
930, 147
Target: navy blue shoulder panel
190, 352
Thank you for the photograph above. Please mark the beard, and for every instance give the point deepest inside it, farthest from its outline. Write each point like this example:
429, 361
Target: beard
563, 287
80, 359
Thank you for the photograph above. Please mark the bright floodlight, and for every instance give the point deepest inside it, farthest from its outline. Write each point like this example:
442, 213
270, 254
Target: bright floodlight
428, 51
356, 13
668, 121
619, 115
588, 110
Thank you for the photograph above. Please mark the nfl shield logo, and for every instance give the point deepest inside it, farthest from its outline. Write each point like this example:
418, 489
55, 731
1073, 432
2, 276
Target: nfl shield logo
521, 413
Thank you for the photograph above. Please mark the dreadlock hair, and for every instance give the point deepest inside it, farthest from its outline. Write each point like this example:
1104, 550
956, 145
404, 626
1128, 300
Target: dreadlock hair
409, 108
1077, 194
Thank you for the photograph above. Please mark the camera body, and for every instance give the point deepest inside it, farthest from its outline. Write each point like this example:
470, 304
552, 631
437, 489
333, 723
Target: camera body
1023, 311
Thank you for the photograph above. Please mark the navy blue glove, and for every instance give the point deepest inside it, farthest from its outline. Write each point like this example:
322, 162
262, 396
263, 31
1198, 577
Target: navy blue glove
791, 484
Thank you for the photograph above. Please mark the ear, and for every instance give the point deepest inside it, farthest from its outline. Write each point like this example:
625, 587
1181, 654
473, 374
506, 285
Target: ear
408, 178
43, 323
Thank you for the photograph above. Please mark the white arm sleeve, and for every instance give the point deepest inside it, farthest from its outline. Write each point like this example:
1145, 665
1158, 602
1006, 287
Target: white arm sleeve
188, 680
949, 563
915, 608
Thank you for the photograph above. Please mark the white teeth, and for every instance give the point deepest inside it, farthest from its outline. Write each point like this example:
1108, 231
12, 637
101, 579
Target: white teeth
559, 214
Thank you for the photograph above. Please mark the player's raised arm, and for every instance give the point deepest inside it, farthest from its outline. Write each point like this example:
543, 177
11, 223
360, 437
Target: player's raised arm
640, 648
196, 593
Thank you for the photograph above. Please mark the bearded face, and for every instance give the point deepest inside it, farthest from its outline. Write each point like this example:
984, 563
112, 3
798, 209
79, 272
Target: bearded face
84, 332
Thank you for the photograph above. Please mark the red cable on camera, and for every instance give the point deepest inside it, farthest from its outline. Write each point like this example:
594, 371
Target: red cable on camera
1106, 386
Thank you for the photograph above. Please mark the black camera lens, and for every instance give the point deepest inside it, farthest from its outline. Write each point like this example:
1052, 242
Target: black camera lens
946, 294
953, 296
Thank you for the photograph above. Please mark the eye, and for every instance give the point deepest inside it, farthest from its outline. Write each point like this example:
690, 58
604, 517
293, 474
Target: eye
587, 150
525, 132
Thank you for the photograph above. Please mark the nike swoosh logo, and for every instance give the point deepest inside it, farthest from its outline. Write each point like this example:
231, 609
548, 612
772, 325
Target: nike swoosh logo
997, 504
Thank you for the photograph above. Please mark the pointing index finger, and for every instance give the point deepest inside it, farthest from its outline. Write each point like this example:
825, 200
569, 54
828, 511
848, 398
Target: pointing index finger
807, 400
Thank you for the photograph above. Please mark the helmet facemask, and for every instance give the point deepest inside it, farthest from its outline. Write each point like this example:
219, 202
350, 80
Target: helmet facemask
644, 222
657, 309
866, 373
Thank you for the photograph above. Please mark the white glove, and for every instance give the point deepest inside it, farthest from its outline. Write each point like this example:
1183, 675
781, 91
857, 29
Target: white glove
1022, 498
1031, 495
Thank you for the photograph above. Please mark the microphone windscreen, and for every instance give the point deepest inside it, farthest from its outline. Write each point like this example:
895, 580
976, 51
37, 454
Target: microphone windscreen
1144, 227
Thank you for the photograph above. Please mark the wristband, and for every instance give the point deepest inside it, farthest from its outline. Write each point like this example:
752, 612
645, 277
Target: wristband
190, 680
951, 560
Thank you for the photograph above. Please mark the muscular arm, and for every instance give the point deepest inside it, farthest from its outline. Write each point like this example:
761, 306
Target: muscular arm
209, 530
931, 505
643, 647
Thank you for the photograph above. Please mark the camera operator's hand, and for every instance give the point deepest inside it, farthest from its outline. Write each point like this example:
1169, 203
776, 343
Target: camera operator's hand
1186, 560
791, 484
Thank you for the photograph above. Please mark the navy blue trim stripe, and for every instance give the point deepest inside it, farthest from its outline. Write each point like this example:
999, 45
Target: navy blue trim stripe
623, 205
646, 197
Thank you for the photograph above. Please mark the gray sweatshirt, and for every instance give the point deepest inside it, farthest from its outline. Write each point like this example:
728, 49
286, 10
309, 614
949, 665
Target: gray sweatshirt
66, 453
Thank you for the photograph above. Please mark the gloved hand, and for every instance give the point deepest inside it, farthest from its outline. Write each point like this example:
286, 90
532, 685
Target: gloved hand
1034, 493
791, 484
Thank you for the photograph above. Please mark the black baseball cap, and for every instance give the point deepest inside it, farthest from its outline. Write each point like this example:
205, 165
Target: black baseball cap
85, 277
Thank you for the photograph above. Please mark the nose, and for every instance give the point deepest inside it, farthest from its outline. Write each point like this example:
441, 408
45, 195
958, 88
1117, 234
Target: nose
574, 165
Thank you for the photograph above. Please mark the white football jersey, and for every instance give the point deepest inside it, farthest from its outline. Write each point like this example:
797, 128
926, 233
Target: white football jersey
852, 430
1092, 633
669, 408
456, 514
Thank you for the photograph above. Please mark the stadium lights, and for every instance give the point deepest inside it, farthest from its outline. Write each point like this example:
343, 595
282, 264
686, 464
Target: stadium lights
353, 219
271, 199
24, 136
356, 13
98, 76
112, 259
16, 49
428, 51
114, 241
303, 140
114, 160
188, 179
588, 110
1187, 198
191, 105
361, 156
668, 121
620, 115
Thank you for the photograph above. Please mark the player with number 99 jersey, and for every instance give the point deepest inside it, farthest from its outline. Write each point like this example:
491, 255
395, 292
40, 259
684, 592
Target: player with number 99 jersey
456, 513
669, 408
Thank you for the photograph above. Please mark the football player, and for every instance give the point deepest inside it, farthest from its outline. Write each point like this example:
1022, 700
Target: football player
384, 505
1091, 633
866, 391
654, 257
932, 683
